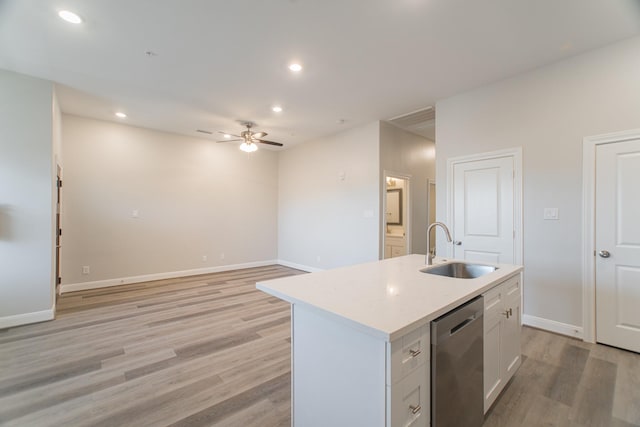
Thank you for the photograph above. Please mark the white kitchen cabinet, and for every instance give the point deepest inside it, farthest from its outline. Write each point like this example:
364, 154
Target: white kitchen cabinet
409, 400
395, 246
345, 377
502, 327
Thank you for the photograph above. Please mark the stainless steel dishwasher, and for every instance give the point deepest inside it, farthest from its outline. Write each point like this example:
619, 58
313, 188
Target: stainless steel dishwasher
457, 367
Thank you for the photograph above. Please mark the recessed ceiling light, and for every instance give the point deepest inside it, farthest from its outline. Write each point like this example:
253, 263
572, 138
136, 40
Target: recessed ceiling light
121, 115
69, 16
276, 109
295, 67
226, 135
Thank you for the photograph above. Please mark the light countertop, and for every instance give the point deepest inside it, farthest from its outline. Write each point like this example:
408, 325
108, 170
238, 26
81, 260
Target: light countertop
383, 298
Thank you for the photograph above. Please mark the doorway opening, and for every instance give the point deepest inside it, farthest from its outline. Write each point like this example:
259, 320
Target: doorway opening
396, 227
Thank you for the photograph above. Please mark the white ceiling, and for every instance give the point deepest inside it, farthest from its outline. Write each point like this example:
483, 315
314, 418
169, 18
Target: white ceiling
222, 61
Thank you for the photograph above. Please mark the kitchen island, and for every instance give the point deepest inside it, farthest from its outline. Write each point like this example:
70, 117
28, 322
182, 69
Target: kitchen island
361, 338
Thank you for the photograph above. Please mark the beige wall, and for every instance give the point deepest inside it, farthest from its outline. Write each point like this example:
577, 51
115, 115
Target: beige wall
548, 112
409, 154
26, 246
194, 198
325, 221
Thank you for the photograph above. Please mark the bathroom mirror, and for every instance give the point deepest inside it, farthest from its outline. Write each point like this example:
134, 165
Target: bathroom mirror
394, 206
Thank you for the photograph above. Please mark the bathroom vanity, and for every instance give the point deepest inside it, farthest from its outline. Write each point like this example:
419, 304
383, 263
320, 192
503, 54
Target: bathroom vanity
361, 338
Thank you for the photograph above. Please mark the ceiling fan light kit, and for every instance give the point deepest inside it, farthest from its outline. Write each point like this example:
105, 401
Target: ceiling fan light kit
248, 147
249, 138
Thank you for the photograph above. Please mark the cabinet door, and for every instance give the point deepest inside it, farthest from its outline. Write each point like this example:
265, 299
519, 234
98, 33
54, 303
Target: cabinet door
501, 337
397, 251
493, 383
387, 251
511, 341
410, 400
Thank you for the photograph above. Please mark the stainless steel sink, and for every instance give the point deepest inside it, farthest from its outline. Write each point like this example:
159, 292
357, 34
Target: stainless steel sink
460, 270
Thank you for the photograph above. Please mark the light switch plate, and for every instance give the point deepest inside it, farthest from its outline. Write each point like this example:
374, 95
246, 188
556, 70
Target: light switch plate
550, 213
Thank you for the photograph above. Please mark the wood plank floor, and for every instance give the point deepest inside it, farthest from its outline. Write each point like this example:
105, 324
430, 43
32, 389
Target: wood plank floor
212, 350
194, 351
566, 382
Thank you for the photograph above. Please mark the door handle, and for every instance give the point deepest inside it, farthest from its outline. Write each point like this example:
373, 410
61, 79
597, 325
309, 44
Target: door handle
604, 254
457, 242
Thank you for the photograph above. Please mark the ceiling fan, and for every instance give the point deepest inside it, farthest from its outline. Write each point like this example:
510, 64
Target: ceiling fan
249, 138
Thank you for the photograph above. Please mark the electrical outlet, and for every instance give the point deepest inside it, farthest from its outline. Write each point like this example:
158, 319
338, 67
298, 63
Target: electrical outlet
222, 256
135, 213
318, 258
86, 269
204, 258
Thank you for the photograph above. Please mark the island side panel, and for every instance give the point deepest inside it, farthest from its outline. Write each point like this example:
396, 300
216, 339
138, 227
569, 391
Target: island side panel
338, 373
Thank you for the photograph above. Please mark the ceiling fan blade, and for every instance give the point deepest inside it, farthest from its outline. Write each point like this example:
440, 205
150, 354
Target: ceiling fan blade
225, 133
258, 135
264, 141
231, 140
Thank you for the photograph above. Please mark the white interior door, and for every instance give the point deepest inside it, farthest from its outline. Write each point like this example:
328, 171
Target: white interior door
618, 244
484, 210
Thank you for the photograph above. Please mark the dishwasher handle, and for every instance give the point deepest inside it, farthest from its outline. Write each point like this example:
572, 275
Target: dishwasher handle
462, 325
455, 321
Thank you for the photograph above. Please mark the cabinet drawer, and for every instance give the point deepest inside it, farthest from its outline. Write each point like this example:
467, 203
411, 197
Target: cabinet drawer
395, 241
493, 302
496, 297
409, 352
512, 287
410, 400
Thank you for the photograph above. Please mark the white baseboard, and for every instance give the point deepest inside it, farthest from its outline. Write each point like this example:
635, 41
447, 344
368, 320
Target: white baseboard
299, 266
26, 318
553, 326
159, 276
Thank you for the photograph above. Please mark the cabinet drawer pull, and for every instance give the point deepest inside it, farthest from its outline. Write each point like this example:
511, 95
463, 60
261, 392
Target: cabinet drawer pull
415, 408
508, 313
414, 353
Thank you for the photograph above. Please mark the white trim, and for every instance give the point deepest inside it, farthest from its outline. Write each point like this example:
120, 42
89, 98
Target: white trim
553, 326
26, 318
299, 266
516, 153
430, 182
408, 229
589, 226
159, 276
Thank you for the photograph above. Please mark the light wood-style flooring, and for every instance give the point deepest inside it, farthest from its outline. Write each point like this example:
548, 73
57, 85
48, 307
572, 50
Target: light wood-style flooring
195, 351
567, 382
212, 350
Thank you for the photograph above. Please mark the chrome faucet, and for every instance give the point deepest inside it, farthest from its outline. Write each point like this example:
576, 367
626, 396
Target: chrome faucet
429, 256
